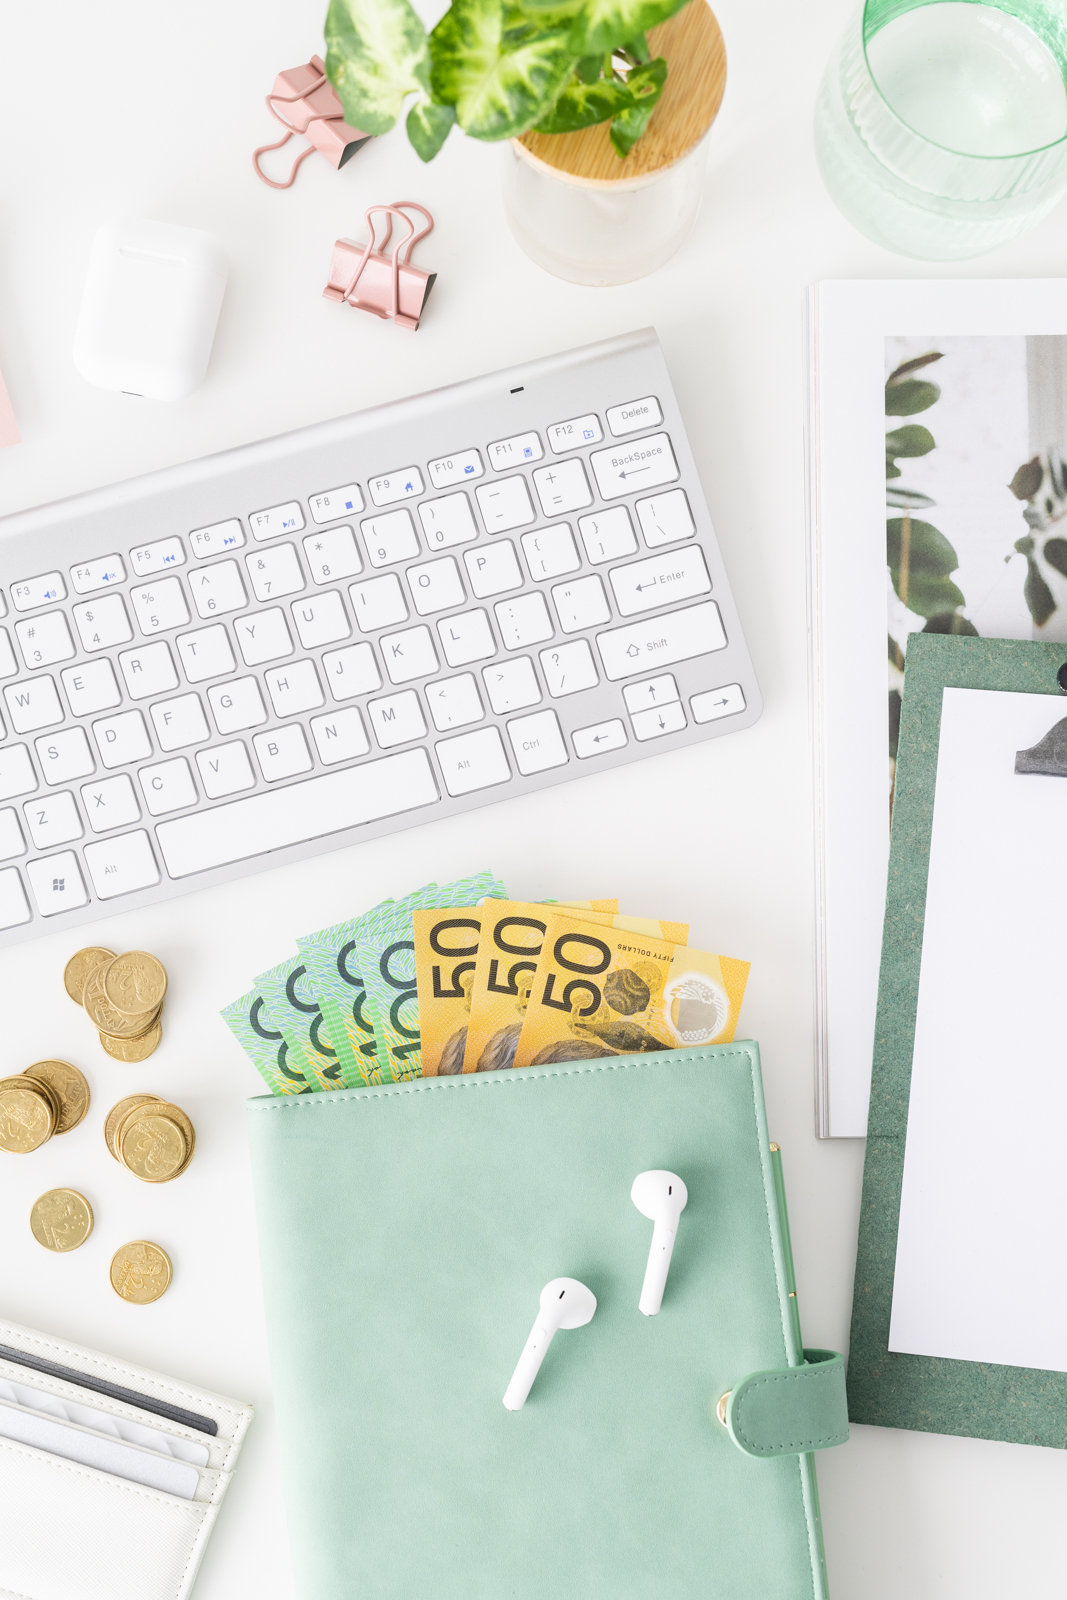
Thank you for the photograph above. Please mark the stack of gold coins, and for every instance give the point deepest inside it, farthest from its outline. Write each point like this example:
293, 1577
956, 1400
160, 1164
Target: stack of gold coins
49, 1097
123, 997
150, 1137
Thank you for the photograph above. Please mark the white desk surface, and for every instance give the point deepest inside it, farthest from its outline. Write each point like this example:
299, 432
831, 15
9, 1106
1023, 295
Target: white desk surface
121, 108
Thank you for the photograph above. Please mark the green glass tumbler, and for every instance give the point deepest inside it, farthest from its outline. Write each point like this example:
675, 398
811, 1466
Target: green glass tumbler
941, 125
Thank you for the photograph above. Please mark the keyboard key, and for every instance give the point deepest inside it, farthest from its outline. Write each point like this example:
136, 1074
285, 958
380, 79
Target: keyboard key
629, 468
111, 803
333, 555
225, 769
217, 589
65, 755
447, 470
31, 592
11, 841
661, 641
91, 687
16, 772
33, 705
150, 558
511, 685
494, 569
608, 535
581, 604
274, 572
219, 537
321, 619
657, 721
122, 738
403, 484
435, 586
571, 435
121, 865
634, 415
523, 621
206, 653
8, 664
537, 742
340, 736
168, 786
660, 581
180, 722
665, 517
467, 637
322, 805
148, 670
473, 761
409, 654
103, 623
351, 671
600, 737
160, 606
716, 703
390, 538
262, 637
454, 703
447, 521
653, 692
562, 487
283, 752
334, 503
45, 640
53, 819
101, 574
568, 668
550, 552
57, 883
236, 705
276, 519
505, 504
397, 719
378, 603
519, 448
14, 907
293, 688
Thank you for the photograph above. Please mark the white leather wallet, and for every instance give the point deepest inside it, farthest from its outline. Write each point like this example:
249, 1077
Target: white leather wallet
70, 1531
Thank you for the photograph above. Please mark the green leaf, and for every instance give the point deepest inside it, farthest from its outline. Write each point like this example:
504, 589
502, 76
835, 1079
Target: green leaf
1037, 594
911, 440
638, 48
928, 549
501, 81
890, 470
582, 105
913, 366
628, 127
927, 595
914, 394
601, 25
376, 54
1055, 553
646, 85
951, 622
429, 126
906, 499
1024, 546
589, 69
1027, 481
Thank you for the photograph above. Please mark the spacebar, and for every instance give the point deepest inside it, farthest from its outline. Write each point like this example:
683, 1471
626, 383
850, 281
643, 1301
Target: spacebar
292, 815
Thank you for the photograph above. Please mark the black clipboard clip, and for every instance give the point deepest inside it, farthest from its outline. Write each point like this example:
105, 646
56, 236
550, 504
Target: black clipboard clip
1049, 755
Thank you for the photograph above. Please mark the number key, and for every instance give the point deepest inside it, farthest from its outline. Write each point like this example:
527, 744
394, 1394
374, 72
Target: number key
274, 572
160, 605
217, 589
332, 555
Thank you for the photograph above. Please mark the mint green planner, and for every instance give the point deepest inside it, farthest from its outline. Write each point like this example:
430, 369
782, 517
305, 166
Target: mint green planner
406, 1232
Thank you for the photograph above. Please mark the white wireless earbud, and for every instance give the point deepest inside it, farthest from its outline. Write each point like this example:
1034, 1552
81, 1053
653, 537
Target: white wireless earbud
660, 1196
565, 1303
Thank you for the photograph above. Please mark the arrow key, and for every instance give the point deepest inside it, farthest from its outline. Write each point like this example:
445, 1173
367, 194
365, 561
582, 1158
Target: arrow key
600, 737
716, 703
656, 721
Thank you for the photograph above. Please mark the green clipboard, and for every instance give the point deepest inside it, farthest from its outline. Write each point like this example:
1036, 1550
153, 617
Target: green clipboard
406, 1232
931, 1394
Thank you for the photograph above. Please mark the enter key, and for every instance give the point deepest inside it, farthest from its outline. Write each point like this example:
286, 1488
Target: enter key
662, 581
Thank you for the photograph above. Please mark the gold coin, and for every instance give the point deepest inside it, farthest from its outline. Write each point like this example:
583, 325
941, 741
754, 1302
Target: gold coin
163, 1108
22, 1080
103, 1014
71, 1087
138, 1049
118, 1114
26, 1120
145, 1025
135, 983
61, 1220
152, 1147
79, 967
140, 1272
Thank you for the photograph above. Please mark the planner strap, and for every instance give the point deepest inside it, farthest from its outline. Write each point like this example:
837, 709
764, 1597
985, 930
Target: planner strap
791, 1411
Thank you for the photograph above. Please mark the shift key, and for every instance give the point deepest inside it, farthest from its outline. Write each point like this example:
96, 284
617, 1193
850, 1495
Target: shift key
659, 641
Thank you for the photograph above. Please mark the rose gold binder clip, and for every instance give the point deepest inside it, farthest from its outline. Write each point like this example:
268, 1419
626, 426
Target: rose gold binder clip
388, 286
313, 109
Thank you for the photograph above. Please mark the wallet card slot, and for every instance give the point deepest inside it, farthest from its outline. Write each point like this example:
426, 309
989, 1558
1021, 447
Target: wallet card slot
86, 1380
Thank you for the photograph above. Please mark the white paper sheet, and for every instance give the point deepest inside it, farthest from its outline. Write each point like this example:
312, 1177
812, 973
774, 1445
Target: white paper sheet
980, 1271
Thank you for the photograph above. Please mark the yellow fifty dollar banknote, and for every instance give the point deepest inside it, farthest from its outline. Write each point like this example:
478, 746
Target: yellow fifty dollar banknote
601, 992
446, 948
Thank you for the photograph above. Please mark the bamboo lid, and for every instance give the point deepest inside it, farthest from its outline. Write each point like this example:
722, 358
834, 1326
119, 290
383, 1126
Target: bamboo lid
692, 43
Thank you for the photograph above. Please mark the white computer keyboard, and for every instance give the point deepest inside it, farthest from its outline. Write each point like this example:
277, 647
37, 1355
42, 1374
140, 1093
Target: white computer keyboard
299, 644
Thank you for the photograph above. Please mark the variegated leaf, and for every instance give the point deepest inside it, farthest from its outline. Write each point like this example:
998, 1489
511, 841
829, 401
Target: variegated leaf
377, 54
500, 79
602, 25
